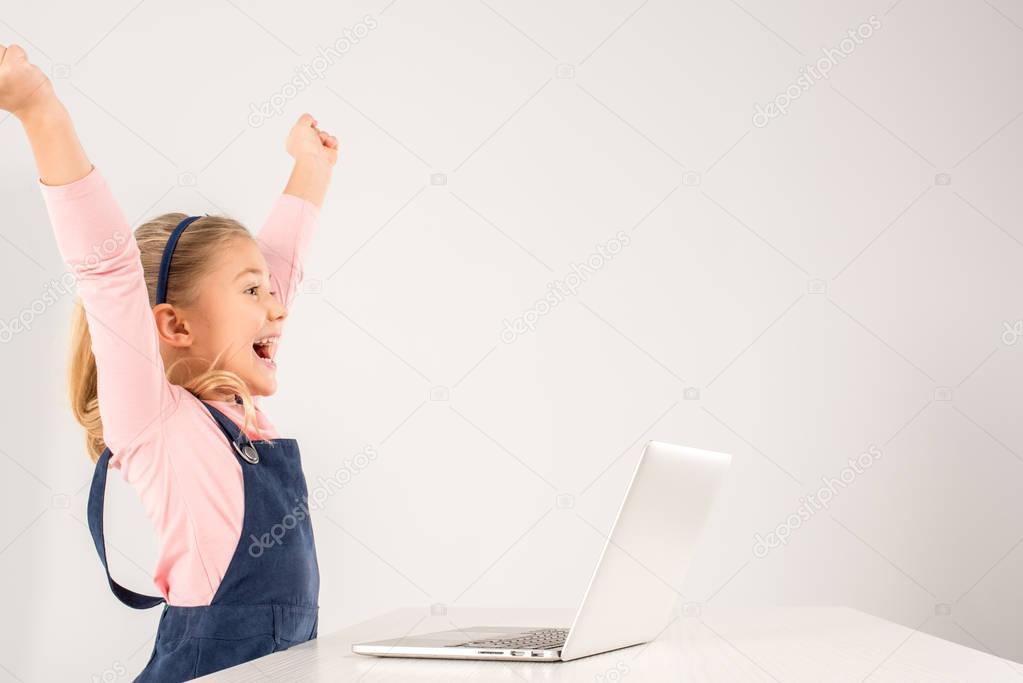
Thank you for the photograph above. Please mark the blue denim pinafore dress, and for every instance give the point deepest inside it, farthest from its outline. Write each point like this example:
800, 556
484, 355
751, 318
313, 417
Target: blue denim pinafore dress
268, 599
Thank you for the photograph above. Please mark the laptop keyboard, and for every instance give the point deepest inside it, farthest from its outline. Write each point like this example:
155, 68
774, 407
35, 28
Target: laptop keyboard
531, 640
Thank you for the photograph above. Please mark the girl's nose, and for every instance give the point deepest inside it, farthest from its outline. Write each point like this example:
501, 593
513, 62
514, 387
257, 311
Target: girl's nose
278, 311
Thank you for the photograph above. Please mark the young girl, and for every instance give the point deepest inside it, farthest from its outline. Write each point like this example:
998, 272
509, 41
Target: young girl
174, 338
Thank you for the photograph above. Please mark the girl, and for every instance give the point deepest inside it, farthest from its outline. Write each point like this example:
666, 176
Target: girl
173, 340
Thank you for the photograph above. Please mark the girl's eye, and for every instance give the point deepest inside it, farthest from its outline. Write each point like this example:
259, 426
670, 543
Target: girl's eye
251, 289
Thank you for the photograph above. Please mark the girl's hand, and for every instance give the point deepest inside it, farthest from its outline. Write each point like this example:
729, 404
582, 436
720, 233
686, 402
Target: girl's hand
23, 85
306, 140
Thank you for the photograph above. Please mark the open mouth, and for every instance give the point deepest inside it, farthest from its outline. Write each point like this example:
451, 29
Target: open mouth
264, 350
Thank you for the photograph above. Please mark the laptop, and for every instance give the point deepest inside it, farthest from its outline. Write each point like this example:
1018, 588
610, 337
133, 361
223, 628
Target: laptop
633, 589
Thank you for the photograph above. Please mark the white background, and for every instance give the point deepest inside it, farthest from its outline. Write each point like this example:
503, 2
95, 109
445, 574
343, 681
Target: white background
846, 276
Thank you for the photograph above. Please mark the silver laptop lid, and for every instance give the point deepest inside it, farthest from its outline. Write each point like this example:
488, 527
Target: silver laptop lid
634, 586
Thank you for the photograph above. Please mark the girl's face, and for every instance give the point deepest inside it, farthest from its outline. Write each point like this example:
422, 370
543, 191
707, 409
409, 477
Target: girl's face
236, 309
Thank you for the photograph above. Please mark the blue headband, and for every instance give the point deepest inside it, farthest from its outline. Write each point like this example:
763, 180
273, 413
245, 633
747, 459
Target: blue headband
165, 261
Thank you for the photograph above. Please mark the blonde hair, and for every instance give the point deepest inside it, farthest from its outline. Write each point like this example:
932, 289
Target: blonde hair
193, 259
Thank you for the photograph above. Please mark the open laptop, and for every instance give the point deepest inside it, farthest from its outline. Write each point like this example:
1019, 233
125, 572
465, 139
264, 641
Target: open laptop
634, 587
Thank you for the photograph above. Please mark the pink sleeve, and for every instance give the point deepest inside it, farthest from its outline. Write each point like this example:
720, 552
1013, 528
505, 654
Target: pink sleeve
97, 244
284, 241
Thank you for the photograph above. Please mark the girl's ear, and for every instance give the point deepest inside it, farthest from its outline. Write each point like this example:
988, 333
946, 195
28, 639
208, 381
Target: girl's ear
171, 327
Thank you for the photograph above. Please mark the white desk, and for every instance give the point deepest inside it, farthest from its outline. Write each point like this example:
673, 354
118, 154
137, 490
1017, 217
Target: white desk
810, 644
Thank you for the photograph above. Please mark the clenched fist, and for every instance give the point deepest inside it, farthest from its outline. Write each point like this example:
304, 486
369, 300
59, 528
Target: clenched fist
22, 83
305, 139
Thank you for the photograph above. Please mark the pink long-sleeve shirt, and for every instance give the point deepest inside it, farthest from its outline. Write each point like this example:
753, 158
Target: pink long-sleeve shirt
165, 442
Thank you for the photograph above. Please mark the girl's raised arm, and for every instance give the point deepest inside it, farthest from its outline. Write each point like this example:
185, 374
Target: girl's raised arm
287, 233
97, 244
27, 93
